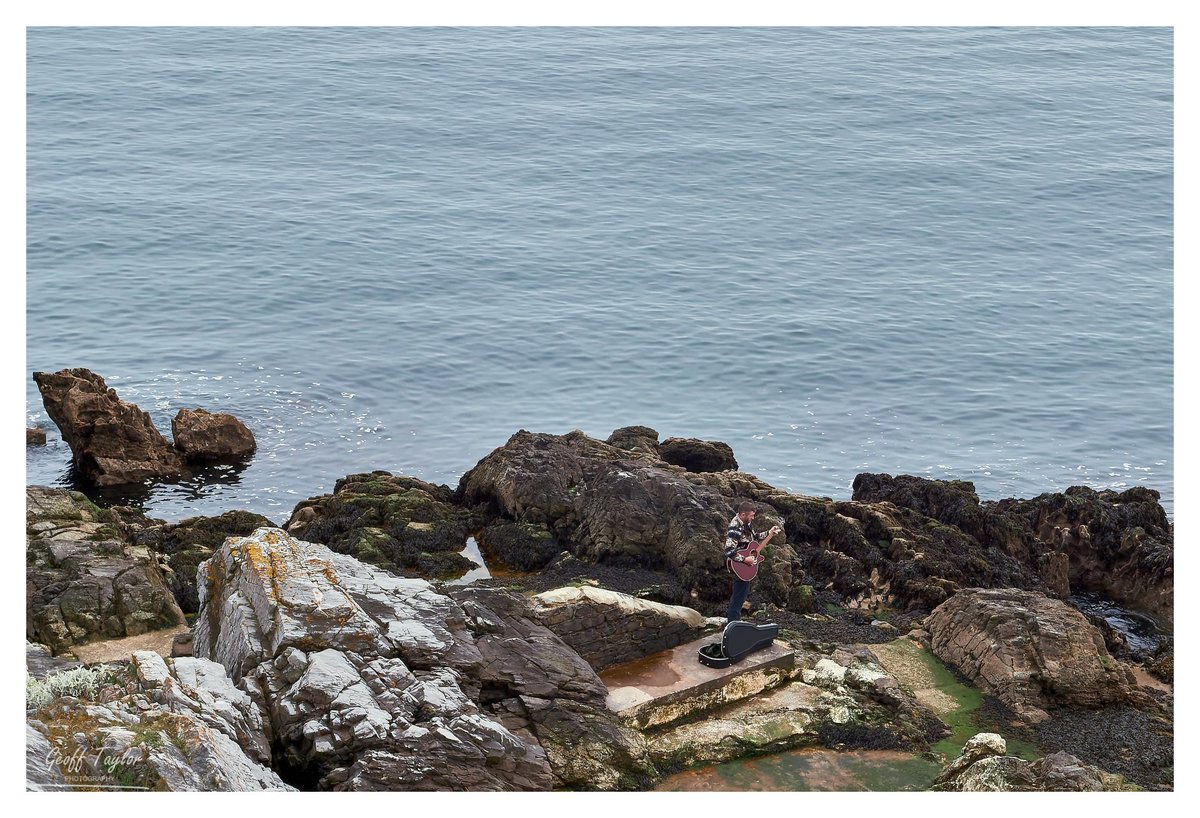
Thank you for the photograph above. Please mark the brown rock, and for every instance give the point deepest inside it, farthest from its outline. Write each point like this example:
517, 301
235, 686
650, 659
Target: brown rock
698, 455
635, 439
205, 437
35, 436
112, 442
1029, 650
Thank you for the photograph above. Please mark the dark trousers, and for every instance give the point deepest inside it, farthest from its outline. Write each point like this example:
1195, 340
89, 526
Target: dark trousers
741, 590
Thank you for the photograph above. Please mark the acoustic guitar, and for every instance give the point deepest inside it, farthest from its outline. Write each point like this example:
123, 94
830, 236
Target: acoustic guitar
749, 570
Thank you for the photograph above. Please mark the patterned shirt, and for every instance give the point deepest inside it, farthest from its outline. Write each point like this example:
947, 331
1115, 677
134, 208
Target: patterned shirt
739, 536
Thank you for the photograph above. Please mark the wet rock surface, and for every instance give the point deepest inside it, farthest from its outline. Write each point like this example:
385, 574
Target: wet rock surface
372, 681
35, 436
211, 437
112, 442
519, 546
85, 579
1029, 650
398, 523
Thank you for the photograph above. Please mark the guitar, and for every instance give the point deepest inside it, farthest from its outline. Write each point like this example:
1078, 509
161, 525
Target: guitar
749, 570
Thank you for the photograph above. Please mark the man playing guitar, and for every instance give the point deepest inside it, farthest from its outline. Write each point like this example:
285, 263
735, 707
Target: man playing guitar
738, 540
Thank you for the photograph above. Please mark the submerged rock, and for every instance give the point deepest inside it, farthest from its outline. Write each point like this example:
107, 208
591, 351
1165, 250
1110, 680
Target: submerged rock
402, 524
372, 681
85, 579
112, 442
1030, 651
207, 437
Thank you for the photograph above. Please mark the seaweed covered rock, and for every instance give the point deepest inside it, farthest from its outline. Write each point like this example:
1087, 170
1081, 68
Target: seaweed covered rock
112, 442
190, 542
175, 725
211, 437
698, 455
399, 523
85, 579
1119, 544
372, 681
1030, 651
521, 546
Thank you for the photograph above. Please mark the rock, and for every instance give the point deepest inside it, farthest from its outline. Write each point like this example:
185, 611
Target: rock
635, 439
607, 628
698, 455
35, 436
181, 645
372, 681
207, 437
178, 725
112, 442
42, 773
1120, 545
402, 524
190, 542
983, 767
609, 507
84, 579
521, 546
40, 662
1030, 651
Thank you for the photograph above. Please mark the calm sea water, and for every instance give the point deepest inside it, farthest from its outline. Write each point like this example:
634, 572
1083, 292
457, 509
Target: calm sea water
944, 252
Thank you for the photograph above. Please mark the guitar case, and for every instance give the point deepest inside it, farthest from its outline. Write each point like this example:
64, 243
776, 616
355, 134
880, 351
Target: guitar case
738, 640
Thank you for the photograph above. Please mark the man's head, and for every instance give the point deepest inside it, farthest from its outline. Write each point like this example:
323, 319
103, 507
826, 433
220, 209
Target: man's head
746, 512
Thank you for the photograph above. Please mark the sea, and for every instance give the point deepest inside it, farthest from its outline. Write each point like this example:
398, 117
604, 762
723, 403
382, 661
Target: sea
945, 252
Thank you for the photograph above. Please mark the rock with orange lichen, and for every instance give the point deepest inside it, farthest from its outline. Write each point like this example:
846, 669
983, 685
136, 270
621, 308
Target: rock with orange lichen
373, 681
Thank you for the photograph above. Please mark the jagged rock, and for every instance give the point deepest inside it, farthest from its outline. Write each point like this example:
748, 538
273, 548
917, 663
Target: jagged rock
402, 524
177, 724
112, 442
1030, 651
84, 579
607, 628
609, 506
190, 542
1117, 544
42, 773
522, 546
983, 767
208, 437
698, 455
35, 436
641, 439
372, 681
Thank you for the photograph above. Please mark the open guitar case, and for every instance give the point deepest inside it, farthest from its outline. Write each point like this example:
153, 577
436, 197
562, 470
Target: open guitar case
738, 640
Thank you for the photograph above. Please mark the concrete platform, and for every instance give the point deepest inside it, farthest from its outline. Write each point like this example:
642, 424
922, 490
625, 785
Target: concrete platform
671, 686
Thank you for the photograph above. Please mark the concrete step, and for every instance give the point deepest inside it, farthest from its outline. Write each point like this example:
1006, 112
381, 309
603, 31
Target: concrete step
672, 686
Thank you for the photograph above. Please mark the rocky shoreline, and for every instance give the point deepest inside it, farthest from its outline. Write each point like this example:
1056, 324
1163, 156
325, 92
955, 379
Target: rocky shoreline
336, 652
